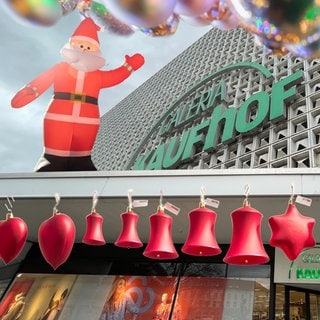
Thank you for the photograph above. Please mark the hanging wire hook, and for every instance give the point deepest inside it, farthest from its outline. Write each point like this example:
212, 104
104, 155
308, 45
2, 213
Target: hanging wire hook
202, 195
292, 193
161, 200
9, 208
94, 201
130, 203
246, 193
57, 198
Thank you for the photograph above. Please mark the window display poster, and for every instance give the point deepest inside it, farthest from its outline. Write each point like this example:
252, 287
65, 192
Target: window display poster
120, 298
139, 297
108, 297
44, 296
13, 304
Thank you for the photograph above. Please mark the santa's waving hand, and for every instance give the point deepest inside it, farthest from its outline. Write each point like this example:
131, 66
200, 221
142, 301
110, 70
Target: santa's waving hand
72, 119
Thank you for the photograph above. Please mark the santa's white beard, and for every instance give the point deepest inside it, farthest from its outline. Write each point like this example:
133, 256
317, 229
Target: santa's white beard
83, 61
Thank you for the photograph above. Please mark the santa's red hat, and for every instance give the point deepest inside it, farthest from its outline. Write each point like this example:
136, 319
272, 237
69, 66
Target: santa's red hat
87, 31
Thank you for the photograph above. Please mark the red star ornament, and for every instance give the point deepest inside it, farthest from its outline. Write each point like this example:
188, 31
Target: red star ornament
292, 232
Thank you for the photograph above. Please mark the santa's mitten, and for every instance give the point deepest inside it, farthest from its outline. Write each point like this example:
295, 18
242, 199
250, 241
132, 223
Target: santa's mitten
24, 96
135, 61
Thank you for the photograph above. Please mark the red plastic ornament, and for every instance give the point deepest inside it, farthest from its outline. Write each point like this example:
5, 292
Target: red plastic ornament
160, 245
246, 246
13, 234
201, 240
292, 232
56, 237
94, 233
129, 237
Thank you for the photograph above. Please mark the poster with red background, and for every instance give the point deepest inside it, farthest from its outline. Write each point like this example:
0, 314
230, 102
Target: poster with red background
44, 296
146, 293
151, 297
196, 298
17, 290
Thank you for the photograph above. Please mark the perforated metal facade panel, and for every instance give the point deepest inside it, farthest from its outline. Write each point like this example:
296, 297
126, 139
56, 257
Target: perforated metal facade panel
292, 143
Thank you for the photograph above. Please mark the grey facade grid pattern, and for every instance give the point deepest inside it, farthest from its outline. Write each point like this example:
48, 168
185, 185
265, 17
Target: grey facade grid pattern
291, 144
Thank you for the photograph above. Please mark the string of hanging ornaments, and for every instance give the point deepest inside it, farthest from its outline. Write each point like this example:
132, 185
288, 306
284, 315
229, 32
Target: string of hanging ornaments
279, 27
291, 232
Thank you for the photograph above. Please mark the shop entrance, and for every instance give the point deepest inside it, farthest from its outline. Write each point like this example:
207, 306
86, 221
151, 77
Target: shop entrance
301, 304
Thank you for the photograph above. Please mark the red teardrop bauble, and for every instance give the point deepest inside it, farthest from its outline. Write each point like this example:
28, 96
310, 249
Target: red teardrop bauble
56, 237
13, 235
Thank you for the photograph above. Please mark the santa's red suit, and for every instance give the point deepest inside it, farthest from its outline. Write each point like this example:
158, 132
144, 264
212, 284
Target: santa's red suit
72, 120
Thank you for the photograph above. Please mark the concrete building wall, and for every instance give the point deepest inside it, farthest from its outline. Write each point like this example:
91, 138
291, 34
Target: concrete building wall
292, 143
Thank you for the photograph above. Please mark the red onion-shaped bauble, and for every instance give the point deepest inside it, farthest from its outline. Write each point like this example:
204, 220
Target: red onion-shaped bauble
56, 237
13, 235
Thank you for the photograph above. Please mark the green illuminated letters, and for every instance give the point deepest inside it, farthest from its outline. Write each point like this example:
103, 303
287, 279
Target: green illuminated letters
258, 104
308, 273
221, 126
282, 92
196, 137
174, 151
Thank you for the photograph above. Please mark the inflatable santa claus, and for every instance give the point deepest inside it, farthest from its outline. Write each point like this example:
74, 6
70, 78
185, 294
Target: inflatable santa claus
72, 120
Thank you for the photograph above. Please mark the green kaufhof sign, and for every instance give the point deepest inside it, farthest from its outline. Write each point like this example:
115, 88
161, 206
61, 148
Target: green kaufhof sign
206, 116
304, 269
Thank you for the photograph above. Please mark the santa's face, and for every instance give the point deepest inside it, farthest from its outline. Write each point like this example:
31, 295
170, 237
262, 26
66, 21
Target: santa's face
83, 55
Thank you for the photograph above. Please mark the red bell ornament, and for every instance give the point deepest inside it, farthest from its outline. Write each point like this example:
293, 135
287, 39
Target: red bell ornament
292, 232
160, 245
56, 237
201, 240
128, 237
13, 235
94, 233
246, 246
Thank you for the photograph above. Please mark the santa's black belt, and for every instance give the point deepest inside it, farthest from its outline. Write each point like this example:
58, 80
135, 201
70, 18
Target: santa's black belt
75, 97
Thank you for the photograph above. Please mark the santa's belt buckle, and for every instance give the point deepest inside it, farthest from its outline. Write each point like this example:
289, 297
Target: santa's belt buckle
78, 97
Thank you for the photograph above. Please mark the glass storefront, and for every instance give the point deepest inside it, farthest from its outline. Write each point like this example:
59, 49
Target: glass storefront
210, 291
204, 289
261, 299
314, 306
296, 303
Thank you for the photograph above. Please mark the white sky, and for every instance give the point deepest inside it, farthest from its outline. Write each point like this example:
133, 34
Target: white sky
26, 51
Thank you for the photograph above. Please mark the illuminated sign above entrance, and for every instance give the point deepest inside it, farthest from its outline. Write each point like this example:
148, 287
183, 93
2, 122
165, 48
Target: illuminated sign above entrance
307, 267
206, 116
304, 269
